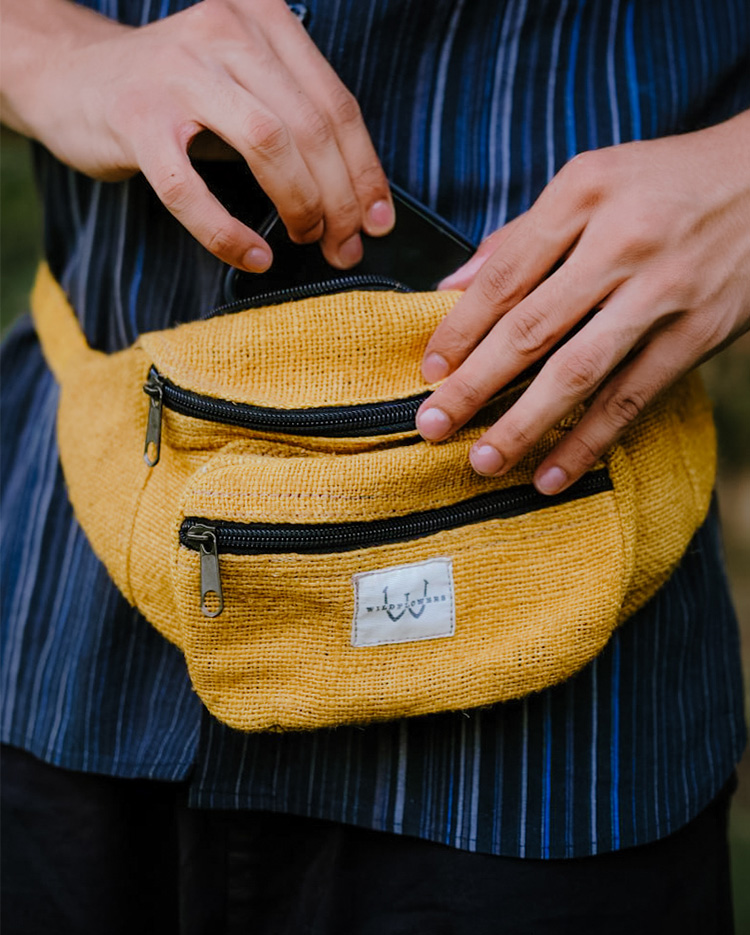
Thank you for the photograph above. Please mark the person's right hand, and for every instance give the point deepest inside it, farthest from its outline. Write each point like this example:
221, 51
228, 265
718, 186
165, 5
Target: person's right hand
111, 100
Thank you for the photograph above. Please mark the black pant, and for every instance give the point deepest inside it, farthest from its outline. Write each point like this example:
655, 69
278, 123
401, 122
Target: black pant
92, 855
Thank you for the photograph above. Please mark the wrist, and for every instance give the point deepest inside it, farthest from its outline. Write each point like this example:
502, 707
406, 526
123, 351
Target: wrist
38, 36
727, 148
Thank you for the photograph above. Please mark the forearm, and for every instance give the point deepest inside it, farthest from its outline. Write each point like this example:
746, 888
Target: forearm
36, 37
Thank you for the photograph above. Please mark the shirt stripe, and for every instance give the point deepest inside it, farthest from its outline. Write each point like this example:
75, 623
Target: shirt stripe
473, 106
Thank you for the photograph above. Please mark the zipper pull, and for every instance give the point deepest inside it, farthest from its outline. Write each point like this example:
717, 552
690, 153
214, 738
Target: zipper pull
154, 389
205, 539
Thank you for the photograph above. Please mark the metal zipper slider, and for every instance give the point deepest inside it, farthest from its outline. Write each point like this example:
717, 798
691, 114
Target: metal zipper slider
154, 389
205, 538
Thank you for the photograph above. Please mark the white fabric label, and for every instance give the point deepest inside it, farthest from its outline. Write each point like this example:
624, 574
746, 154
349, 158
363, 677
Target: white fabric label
404, 603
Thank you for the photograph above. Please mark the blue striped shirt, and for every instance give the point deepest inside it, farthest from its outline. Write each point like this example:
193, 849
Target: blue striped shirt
473, 105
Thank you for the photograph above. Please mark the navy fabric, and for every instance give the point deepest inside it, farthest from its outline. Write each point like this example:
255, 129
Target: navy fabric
473, 106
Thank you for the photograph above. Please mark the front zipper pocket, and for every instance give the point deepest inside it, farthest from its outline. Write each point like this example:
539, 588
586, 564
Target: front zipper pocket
323, 422
363, 419
331, 589
210, 537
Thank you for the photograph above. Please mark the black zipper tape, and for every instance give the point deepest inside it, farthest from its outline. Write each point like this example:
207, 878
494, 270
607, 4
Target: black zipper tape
381, 418
321, 538
360, 282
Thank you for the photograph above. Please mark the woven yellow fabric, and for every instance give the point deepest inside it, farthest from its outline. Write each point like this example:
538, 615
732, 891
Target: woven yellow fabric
520, 601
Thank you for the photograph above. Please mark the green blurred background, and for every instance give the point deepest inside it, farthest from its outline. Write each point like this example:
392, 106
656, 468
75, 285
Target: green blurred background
728, 379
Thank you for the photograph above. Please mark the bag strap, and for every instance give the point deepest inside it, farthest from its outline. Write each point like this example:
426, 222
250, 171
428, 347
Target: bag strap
59, 330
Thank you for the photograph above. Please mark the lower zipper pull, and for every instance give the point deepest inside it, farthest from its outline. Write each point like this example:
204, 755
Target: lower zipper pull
205, 538
154, 389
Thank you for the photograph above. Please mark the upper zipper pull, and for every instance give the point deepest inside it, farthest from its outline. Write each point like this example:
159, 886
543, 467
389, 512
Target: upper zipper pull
205, 538
154, 389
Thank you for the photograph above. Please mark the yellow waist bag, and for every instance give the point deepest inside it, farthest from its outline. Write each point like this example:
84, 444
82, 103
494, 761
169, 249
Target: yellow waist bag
315, 560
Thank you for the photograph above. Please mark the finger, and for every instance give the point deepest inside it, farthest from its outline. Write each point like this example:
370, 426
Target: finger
568, 379
365, 172
618, 403
325, 89
312, 135
509, 275
185, 195
306, 132
464, 275
267, 144
342, 211
518, 340
543, 237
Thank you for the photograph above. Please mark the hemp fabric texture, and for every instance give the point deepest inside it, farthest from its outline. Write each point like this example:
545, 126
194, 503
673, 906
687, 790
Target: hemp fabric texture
537, 595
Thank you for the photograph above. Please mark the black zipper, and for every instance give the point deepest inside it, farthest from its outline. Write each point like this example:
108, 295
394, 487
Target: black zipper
314, 538
363, 419
367, 281
212, 537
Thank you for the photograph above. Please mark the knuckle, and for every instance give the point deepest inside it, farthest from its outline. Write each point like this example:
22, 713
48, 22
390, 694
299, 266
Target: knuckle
586, 174
469, 395
580, 169
638, 240
267, 136
127, 110
528, 333
622, 406
582, 163
172, 186
221, 243
582, 452
674, 282
307, 233
582, 371
344, 109
206, 13
203, 17
305, 218
593, 165
315, 129
518, 437
451, 340
345, 219
369, 180
497, 280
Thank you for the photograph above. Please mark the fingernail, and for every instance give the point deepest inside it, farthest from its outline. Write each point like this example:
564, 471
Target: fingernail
435, 367
381, 216
469, 268
257, 260
551, 480
433, 424
350, 251
486, 460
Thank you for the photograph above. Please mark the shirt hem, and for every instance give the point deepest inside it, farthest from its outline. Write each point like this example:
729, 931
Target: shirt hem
565, 850
171, 771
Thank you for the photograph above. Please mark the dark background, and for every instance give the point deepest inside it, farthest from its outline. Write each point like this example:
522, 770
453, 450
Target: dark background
727, 377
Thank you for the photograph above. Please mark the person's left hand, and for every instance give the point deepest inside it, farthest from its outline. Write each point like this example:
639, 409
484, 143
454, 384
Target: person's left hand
654, 235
